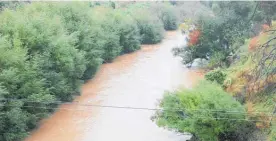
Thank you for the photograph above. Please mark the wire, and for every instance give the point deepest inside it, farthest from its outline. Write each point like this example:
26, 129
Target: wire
127, 107
91, 109
139, 108
177, 133
29, 133
231, 119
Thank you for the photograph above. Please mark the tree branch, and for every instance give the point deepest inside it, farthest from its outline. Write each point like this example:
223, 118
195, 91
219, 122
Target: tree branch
272, 30
257, 4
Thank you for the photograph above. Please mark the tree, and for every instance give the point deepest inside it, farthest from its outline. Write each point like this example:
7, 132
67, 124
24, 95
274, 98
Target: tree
128, 32
49, 49
216, 76
265, 12
263, 78
150, 26
202, 111
217, 35
167, 14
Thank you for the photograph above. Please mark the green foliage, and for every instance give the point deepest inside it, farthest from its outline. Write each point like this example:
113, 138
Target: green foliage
265, 12
10, 4
79, 23
167, 14
49, 49
111, 47
169, 20
251, 74
273, 133
149, 25
218, 59
198, 116
220, 33
128, 32
216, 76
151, 31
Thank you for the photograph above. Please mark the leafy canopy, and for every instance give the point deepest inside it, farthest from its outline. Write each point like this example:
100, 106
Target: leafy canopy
204, 112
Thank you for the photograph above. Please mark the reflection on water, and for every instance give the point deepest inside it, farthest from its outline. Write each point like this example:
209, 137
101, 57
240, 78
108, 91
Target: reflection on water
134, 80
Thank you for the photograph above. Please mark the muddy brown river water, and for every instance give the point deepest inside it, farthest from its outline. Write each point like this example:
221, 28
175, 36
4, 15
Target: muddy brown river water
138, 79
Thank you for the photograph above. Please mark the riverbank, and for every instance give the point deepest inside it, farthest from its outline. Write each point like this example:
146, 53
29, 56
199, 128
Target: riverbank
136, 80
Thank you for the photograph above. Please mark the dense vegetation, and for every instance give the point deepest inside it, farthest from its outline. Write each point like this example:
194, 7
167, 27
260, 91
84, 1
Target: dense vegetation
49, 49
203, 111
218, 36
239, 44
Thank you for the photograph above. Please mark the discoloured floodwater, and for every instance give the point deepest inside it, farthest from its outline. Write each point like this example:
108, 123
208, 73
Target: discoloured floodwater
138, 79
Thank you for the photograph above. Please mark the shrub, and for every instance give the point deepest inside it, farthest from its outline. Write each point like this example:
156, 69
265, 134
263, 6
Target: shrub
169, 19
78, 20
128, 31
167, 14
150, 27
203, 111
48, 49
216, 76
218, 35
110, 29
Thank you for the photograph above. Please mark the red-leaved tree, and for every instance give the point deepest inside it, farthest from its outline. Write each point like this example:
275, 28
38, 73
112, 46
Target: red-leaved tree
194, 36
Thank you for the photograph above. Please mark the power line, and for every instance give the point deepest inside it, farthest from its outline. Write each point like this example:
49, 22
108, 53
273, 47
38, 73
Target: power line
133, 108
29, 133
174, 131
187, 116
92, 110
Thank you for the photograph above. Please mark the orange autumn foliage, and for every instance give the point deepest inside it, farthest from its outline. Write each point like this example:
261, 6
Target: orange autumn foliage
194, 36
265, 27
253, 43
257, 86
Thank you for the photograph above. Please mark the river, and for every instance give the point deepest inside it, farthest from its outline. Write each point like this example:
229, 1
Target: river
137, 79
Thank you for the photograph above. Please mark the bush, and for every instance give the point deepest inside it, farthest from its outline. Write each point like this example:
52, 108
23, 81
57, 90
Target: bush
203, 112
78, 20
121, 34
150, 27
167, 14
216, 76
48, 49
110, 29
219, 33
129, 32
